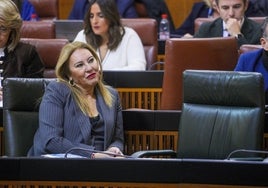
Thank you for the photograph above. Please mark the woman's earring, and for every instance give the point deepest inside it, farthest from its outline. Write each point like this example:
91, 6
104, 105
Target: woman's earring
71, 82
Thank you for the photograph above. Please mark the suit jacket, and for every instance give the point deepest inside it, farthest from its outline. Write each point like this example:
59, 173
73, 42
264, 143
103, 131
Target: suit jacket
253, 62
251, 31
24, 61
125, 7
62, 125
199, 10
257, 8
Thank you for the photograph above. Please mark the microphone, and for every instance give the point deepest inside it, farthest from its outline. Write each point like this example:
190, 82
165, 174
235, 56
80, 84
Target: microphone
95, 151
245, 151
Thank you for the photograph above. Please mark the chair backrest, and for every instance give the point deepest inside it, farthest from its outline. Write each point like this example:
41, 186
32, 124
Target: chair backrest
259, 20
21, 98
147, 30
202, 53
49, 51
222, 111
46, 9
68, 29
249, 47
38, 29
199, 21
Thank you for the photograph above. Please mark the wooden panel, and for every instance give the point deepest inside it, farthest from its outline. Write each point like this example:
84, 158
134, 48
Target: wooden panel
145, 98
65, 7
150, 140
179, 10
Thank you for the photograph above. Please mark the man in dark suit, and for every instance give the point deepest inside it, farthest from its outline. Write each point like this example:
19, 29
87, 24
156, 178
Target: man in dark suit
232, 22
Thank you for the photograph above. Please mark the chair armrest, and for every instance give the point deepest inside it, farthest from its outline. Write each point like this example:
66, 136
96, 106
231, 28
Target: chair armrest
155, 64
246, 159
152, 153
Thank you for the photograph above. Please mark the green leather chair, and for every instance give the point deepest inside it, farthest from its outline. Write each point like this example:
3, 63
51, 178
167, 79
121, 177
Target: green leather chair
222, 111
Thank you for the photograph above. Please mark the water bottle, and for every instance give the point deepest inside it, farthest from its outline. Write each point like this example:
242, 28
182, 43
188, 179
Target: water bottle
164, 31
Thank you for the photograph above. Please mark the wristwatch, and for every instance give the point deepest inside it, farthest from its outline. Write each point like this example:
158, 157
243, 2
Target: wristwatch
238, 36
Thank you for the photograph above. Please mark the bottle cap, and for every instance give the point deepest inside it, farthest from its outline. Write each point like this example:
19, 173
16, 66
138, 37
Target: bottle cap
164, 16
33, 16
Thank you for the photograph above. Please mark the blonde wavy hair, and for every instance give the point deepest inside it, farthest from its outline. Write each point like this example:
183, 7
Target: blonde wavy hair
11, 19
63, 74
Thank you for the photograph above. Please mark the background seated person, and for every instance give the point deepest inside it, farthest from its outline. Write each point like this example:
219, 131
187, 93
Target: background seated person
27, 10
257, 60
205, 9
78, 110
232, 22
118, 47
257, 8
125, 7
17, 59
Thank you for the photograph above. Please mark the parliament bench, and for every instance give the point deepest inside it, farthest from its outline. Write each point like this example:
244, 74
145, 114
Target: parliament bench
131, 173
146, 126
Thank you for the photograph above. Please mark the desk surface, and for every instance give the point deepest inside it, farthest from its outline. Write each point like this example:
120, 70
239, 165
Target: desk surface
135, 170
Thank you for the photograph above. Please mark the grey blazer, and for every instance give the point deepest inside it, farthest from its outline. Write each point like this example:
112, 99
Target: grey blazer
62, 125
251, 30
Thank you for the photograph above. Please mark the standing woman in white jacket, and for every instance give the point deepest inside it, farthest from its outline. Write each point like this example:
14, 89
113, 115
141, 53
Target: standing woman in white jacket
118, 47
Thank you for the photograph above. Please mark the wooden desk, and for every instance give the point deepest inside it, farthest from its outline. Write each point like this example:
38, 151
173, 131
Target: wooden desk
79, 173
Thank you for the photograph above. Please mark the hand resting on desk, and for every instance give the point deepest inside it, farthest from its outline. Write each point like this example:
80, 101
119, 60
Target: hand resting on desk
112, 152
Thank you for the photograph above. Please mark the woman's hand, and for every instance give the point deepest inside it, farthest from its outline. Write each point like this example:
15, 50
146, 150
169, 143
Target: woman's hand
115, 150
112, 152
100, 155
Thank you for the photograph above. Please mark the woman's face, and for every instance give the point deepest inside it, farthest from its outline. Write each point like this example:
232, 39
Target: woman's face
84, 68
99, 23
4, 35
